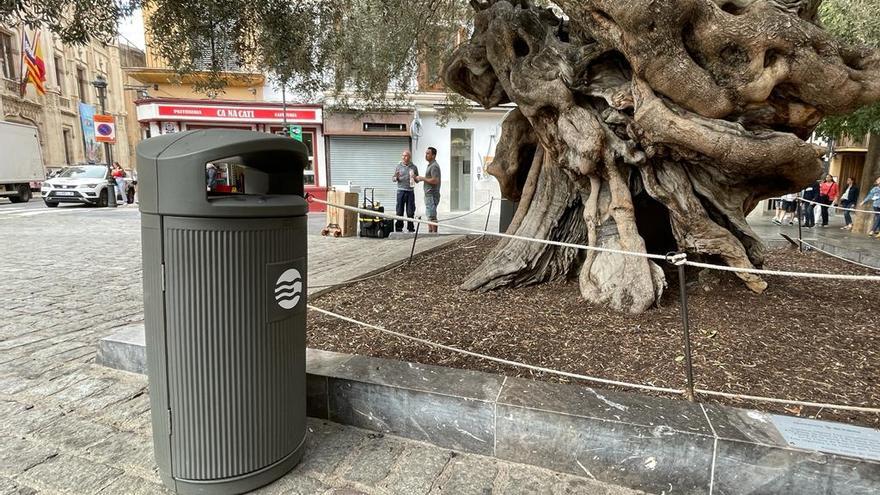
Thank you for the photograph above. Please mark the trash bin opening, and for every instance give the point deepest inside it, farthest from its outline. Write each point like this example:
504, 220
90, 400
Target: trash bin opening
235, 176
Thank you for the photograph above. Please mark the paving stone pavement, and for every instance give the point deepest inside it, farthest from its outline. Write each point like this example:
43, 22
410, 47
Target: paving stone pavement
68, 426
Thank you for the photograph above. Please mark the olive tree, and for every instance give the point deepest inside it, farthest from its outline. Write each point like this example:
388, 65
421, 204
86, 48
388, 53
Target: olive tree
645, 126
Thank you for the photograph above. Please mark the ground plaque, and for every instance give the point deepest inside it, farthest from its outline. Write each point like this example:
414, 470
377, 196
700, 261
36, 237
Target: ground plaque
829, 437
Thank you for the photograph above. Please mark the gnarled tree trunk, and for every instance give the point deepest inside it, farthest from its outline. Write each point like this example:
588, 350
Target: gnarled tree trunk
649, 126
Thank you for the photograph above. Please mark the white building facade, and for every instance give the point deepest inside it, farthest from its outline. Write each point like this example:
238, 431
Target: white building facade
464, 147
363, 150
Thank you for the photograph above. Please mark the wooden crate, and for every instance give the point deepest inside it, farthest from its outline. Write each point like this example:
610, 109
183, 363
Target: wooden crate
346, 220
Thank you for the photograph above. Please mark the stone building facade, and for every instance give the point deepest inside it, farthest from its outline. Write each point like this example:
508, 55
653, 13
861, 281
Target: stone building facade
69, 73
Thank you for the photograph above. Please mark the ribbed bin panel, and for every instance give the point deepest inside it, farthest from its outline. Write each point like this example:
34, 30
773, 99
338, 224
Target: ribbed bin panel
236, 381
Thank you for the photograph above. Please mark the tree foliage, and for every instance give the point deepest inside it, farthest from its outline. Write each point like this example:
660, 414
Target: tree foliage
367, 53
856, 22
367, 50
73, 21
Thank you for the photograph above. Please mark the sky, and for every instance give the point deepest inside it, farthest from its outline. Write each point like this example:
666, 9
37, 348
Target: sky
131, 30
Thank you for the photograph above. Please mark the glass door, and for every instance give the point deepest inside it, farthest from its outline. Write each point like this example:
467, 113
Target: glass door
461, 150
308, 139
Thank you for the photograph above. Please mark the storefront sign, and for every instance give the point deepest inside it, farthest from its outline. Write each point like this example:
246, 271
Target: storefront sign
234, 113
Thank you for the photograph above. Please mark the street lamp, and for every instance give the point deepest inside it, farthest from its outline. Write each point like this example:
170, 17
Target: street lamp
100, 84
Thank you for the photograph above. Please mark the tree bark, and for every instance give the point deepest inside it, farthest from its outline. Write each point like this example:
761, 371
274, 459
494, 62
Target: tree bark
870, 171
646, 126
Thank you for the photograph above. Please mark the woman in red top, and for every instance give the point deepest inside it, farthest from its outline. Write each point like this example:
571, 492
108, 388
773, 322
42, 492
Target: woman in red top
119, 176
828, 192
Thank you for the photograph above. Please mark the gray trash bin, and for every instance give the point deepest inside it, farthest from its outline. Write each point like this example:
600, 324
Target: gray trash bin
224, 306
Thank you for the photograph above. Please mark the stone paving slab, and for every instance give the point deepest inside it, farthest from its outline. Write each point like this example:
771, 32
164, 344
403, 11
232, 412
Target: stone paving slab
853, 246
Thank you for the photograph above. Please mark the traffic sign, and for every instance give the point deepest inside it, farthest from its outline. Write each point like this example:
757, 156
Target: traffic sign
105, 129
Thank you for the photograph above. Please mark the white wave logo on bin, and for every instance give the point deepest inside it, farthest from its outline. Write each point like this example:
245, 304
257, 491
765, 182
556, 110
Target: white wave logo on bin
288, 289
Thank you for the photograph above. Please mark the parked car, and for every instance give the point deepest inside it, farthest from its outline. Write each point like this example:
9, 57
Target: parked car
83, 184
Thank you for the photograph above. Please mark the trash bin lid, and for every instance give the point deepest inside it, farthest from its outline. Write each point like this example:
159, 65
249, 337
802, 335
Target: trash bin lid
262, 174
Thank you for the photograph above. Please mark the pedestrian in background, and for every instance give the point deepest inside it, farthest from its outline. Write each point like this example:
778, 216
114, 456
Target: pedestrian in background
874, 197
405, 174
119, 178
811, 193
432, 186
786, 210
210, 176
780, 211
828, 192
848, 200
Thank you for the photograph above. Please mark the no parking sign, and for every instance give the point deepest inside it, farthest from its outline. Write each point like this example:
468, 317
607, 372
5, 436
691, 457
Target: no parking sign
105, 129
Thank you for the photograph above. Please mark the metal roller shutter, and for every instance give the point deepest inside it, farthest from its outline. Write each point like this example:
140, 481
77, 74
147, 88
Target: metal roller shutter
367, 162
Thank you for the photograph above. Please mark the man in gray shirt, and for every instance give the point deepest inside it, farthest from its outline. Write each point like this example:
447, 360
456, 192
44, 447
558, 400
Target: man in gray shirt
432, 186
405, 174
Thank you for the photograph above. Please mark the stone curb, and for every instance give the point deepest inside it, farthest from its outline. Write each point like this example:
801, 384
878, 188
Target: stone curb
862, 256
643, 442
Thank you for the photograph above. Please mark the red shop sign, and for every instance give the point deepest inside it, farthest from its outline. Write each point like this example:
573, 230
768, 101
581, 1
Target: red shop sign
234, 113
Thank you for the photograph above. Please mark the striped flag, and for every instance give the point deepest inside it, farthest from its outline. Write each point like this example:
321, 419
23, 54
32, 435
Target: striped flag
32, 58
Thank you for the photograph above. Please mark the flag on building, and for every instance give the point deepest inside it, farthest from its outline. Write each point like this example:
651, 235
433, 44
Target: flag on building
32, 57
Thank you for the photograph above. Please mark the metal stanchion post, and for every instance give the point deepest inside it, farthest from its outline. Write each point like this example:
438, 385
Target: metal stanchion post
415, 238
800, 224
688, 364
491, 201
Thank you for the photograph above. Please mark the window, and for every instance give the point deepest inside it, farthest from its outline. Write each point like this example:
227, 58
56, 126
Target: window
6, 56
59, 74
82, 85
218, 51
68, 140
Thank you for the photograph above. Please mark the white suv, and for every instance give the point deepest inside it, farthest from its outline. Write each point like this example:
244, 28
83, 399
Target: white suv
82, 184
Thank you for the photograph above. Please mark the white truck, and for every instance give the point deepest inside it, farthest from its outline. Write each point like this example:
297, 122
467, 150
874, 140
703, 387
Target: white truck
21, 161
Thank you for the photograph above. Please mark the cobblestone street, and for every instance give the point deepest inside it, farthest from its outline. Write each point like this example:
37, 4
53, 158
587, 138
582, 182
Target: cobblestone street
71, 275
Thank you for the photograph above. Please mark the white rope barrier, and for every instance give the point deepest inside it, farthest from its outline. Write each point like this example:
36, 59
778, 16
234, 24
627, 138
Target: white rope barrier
870, 212
774, 400
498, 360
757, 271
487, 203
757, 398
676, 259
486, 232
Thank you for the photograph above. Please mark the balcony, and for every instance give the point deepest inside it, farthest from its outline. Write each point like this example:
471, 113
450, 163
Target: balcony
12, 86
847, 143
65, 103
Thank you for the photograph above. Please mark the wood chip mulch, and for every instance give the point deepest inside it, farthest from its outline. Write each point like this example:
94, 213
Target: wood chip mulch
803, 339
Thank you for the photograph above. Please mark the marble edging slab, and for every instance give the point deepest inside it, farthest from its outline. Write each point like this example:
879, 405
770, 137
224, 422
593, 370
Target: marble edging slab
643, 442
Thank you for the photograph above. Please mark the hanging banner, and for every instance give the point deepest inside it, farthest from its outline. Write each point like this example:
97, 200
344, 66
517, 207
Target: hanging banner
105, 129
87, 119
